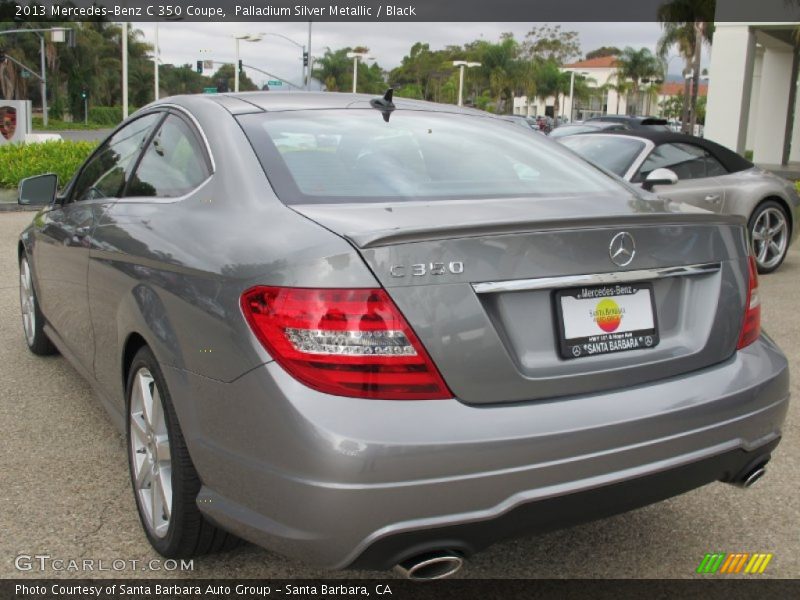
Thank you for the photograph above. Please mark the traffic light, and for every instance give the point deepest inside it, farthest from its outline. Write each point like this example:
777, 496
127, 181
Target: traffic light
240, 65
200, 67
84, 94
305, 59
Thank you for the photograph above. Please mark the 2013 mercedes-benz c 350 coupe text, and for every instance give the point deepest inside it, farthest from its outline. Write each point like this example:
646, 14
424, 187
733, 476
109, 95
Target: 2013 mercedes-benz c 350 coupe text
374, 332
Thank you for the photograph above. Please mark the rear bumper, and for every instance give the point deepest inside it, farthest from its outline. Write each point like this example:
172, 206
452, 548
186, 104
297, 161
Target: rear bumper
539, 516
343, 482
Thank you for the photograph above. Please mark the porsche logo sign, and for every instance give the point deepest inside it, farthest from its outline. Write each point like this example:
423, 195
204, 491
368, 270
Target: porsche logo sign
8, 121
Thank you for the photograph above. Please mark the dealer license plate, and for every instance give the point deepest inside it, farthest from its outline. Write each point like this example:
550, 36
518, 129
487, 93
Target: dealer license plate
605, 319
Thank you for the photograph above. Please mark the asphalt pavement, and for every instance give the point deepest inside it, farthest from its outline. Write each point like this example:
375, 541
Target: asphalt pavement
65, 492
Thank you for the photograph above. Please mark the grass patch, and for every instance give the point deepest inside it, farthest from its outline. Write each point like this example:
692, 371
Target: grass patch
797, 186
56, 125
18, 161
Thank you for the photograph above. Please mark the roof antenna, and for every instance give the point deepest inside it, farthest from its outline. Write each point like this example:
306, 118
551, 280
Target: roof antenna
385, 104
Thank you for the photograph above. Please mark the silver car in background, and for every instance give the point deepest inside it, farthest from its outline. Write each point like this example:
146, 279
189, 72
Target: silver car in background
702, 173
367, 332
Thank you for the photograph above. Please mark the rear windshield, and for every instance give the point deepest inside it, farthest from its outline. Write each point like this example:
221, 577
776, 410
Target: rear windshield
353, 155
612, 152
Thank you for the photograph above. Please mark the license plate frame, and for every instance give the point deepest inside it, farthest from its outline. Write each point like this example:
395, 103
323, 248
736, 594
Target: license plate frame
625, 302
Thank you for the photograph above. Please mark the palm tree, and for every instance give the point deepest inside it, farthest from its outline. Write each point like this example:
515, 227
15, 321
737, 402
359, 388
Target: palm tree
549, 82
619, 87
637, 65
499, 64
688, 23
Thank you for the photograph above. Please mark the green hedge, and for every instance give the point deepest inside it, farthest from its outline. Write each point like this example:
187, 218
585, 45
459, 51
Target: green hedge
105, 115
57, 125
18, 161
109, 116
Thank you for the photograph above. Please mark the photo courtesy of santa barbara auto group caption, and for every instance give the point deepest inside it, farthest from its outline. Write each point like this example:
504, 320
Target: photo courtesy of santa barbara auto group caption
429, 299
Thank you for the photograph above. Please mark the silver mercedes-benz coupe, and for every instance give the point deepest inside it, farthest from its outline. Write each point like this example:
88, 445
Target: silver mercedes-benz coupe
374, 332
701, 173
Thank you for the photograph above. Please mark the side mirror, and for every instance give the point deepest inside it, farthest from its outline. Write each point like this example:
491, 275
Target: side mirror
39, 190
660, 177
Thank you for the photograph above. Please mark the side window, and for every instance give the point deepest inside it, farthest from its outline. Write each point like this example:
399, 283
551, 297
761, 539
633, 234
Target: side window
714, 168
686, 160
105, 174
173, 164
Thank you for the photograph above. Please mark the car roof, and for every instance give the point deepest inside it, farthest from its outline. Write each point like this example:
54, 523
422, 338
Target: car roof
248, 102
730, 160
645, 120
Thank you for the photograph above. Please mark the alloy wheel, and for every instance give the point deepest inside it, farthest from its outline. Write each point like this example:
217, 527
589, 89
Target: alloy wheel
770, 237
27, 301
150, 453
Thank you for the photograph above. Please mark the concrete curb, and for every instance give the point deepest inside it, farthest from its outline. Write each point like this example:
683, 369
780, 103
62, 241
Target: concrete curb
9, 207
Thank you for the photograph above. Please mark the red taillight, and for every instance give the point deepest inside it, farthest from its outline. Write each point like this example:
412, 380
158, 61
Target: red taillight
751, 327
347, 342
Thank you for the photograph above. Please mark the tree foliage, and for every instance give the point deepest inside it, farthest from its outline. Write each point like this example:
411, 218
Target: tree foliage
94, 64
509, 68
335, 70
638, 67
603, 51
687, 24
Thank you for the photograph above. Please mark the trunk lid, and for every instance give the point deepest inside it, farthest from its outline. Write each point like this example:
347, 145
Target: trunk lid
478, 282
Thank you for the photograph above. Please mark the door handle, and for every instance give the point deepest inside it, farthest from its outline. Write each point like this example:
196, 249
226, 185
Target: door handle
713, 198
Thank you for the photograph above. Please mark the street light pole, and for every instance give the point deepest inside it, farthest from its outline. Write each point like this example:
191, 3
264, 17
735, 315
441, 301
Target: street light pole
236, 69
155, 64
124, 70
308, 71
303, 69
43, 80
247, 37
571, 94
355, 56
462, 64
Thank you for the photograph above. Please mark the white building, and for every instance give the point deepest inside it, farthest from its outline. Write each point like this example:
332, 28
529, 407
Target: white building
752, 98
600, 72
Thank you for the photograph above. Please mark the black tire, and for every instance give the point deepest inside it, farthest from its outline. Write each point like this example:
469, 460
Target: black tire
776, 209
189, 533
36, 339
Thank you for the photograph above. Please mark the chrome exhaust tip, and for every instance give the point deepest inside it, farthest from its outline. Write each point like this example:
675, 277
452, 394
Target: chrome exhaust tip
429, 566
752, 477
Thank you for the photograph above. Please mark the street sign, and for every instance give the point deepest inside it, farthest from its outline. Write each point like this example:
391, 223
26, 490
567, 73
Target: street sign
274, 82
210, 90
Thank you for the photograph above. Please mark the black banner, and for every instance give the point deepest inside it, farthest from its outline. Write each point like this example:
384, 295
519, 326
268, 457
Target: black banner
712, 588
380, 10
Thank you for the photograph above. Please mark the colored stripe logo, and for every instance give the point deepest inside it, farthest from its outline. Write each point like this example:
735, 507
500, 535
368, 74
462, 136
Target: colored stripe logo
736, 562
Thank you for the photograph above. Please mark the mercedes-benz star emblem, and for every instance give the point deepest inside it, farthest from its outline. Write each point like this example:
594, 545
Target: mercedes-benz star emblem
622, 249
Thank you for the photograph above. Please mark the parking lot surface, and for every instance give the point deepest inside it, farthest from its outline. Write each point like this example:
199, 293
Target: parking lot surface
65, 491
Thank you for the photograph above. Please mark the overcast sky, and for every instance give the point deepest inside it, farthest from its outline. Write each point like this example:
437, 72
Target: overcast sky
187, 42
